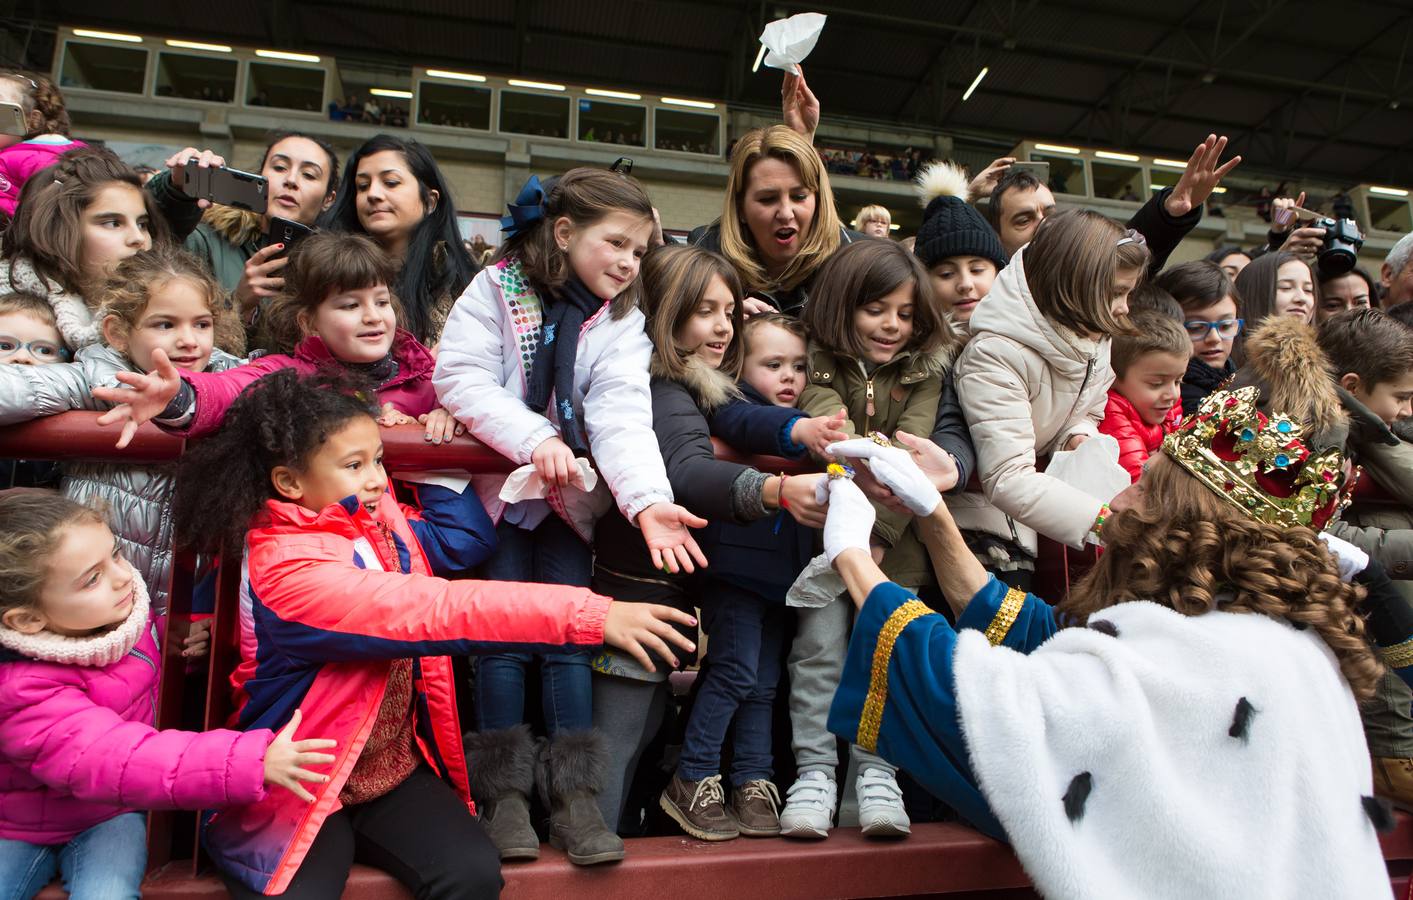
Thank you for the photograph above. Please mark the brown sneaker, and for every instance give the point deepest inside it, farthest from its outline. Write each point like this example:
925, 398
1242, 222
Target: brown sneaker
1393, 780
756, 805
700, 808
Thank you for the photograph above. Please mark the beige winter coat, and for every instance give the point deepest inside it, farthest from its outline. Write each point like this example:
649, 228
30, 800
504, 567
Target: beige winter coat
1027, 385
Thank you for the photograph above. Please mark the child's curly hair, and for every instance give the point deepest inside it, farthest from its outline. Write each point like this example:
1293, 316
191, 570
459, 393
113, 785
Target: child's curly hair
280, 420
126, 292
1185, 547
42, 101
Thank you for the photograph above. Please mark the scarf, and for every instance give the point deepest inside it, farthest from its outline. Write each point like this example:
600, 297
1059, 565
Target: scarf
380, 372
565, 312
93, 650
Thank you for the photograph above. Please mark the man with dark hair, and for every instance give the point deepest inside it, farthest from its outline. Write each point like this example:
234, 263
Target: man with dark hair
1019, 202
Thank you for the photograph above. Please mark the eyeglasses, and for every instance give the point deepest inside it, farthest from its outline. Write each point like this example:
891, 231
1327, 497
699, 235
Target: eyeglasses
46, 351
1197, 329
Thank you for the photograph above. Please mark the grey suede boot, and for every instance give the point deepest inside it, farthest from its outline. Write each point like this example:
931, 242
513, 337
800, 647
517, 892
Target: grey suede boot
501, 764
570, 771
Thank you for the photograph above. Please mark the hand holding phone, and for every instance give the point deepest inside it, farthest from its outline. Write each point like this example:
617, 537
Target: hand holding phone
222, 184
286, 232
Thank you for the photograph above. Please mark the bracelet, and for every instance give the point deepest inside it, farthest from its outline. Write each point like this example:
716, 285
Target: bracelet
1099, 520
780, 500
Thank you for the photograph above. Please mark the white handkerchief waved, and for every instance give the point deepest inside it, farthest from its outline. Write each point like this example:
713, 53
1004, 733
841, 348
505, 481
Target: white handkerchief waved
526, 484
818, 585
789, 41
1093, 468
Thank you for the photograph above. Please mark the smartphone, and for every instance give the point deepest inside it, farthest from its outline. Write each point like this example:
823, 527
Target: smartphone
224, 185
287, 232
1041, 170
12, 120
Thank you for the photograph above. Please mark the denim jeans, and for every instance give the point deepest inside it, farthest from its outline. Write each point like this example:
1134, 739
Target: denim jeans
551, 554
745, 638
106, 862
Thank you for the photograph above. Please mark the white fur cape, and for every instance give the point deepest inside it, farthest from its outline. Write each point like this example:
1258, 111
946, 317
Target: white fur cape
1176, 806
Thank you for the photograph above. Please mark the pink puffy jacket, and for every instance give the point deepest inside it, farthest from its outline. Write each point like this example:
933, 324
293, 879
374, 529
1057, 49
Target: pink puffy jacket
77, 747
19, 161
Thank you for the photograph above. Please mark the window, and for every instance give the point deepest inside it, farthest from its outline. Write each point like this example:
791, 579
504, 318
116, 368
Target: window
103, 67
541, 115
454, 105
1066, 173
1114, 181
285, 87
612, 123
688, 132
1390, 214
187, 77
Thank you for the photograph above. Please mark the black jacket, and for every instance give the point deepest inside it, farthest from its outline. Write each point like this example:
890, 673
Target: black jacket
1201, 380
1161, 230
767, 555
952, 433
708, 237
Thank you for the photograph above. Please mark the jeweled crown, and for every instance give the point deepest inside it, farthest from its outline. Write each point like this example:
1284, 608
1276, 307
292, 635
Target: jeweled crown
1259, 464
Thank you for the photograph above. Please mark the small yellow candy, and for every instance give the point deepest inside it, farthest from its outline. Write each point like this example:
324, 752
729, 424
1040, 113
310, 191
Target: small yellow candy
839, 470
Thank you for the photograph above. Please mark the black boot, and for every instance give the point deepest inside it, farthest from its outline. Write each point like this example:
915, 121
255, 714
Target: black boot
570, 770
501, 764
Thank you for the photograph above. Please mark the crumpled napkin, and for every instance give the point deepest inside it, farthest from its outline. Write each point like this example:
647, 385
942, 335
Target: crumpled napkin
525, 482
1093, 468
818, 585
789, 41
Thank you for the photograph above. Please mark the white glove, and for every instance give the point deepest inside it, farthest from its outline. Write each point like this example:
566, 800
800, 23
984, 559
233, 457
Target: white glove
1351, 559
850, 520
895, 468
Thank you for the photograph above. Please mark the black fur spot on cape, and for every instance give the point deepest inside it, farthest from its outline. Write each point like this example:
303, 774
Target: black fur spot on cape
1077, 794
1241, 720
1104, 626
1380, 812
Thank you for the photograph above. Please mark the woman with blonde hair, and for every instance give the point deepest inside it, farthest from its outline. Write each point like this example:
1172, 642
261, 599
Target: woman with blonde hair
1185, 723
779, 224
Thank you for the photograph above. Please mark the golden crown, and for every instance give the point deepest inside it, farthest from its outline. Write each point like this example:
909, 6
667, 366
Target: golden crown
1259, 464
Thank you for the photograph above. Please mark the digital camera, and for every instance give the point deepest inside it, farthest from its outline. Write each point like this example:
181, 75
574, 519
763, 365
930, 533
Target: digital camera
1340, 252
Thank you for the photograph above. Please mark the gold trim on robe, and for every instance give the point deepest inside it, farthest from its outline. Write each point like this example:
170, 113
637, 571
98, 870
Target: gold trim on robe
1005, 617
1399, 655
872, 717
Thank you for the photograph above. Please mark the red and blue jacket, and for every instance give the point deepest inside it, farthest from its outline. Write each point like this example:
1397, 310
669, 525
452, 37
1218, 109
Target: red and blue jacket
328, 600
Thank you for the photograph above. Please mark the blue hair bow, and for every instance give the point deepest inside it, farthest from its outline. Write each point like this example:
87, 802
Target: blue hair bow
528, 208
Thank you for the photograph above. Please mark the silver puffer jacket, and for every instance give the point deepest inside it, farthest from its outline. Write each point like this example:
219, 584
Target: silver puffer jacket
138, 498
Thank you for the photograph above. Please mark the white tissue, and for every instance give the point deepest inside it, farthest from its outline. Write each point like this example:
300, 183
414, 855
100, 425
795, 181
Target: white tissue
789, 41
526, 484
818, 585
1093, 468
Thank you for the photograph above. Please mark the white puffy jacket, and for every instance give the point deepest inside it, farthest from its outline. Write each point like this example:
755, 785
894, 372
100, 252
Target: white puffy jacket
138, 497
486, 353
1027, 385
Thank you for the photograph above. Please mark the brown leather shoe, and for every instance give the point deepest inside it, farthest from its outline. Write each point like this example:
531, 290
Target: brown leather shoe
1393, 780
756, 805
700, 808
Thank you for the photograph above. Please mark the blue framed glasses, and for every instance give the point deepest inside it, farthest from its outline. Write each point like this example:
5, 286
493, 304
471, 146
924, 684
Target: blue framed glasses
44, 351
1226, 329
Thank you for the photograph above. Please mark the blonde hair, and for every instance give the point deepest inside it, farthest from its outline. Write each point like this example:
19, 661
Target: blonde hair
675, 278
128, 289
30, 522
1188, 549
1071, 265
782, 143
872, 213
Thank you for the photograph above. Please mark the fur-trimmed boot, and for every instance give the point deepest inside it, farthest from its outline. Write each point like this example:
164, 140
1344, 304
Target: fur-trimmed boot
501, 764
569, 770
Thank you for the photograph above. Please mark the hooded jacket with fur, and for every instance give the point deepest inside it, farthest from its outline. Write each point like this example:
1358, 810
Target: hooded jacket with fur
1027, 386
222, 237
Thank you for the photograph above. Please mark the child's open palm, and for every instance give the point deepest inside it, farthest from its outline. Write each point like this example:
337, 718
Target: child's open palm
144, 398
664, 527
818, 432
286, 758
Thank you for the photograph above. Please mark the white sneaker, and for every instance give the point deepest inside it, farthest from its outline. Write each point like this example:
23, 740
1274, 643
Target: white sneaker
881, 812
809, 807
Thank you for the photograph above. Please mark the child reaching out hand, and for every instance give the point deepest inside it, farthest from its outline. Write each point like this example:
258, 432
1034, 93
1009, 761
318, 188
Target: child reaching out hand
337, 310
80, 758
344, 614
